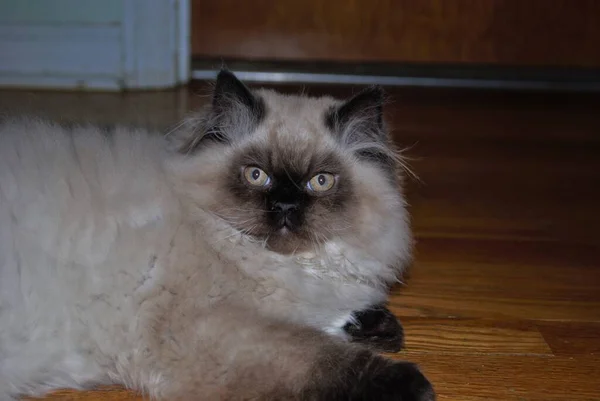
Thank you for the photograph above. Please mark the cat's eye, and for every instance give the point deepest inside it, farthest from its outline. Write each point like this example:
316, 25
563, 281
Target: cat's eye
256, 177
321, 182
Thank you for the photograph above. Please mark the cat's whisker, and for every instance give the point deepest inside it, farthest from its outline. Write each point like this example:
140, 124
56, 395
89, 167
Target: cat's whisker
231, 235
402, 161
243, 222
407, 169
176, 127
318, 242
399, 281
220, 218
246, 231
237, 209
266, 240
237, 219
336, 230
295, 251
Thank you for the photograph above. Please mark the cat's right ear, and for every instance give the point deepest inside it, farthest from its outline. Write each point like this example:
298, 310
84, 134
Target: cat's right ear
234, 112
231, 97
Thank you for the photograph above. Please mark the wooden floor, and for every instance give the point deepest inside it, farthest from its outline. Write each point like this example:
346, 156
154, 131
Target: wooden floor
503, 300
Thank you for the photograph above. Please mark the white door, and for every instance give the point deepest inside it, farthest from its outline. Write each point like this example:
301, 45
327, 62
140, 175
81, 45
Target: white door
92, 44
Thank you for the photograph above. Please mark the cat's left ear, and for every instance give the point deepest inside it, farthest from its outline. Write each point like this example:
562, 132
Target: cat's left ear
359, 119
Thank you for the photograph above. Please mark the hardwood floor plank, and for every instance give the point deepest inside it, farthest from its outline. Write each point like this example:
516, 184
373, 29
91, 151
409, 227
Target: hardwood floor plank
571, 338
501, 280
477, 336
509, 377
108, 393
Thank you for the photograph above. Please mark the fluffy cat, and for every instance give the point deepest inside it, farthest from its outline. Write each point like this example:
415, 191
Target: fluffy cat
246, 258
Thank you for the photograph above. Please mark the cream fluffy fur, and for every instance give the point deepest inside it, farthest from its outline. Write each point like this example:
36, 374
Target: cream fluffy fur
114, 268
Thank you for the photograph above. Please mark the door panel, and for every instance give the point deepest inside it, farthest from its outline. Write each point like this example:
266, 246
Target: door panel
500, 32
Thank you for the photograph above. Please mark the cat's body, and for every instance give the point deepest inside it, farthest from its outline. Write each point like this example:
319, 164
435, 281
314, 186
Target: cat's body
125, 261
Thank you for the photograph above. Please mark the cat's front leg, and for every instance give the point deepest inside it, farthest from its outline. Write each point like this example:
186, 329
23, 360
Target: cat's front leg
233, 354
377, 328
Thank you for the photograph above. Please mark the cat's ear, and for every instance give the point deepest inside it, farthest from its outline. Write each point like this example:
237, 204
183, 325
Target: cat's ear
234, 112
358, 125
232, 96
359, 118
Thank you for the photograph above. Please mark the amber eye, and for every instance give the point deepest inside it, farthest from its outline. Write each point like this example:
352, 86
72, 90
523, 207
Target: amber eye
256, 177
321, 182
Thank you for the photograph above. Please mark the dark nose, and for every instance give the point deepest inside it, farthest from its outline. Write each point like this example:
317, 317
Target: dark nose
285, 208
286, 215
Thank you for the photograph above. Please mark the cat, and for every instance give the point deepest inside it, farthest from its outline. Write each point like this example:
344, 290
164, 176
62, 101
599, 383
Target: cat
246, 256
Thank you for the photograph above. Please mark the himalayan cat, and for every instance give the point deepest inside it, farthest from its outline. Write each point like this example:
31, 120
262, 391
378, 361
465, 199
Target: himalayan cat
247, 257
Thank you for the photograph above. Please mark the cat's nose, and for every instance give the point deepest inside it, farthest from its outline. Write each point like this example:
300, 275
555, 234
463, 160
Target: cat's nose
286, 215
285, 208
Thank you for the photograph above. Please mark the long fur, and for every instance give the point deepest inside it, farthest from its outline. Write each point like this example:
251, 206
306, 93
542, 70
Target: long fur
120, 264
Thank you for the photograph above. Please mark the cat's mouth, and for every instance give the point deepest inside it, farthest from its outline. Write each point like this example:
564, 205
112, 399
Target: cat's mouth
286, 227
283, 236
285, 230
287, 240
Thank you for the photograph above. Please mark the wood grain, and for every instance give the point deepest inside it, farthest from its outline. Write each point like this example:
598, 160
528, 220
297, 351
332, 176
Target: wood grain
106, 393
492, 278
503, 299
504, 32
510, 377
572, 338
473, 336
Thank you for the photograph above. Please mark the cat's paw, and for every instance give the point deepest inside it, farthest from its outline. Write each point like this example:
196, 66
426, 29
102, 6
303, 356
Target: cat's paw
371, 377
397, 381
376, 328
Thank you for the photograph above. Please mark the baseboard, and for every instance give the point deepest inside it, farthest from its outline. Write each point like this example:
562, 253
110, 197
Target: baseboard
412, 75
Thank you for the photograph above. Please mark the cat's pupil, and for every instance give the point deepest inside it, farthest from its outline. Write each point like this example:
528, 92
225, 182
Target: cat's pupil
321, 180
255, 174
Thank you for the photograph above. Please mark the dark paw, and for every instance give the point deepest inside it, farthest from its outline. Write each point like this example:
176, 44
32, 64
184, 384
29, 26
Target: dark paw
377, 328
398, 381
371, 377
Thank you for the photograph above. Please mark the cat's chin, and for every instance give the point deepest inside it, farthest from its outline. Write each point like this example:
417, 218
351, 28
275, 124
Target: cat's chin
287, 242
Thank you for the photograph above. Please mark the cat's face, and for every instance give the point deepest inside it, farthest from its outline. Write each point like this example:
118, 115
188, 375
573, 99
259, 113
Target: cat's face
297, 172
292, 198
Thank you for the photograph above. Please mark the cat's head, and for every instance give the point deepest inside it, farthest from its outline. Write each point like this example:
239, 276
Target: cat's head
298, 172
